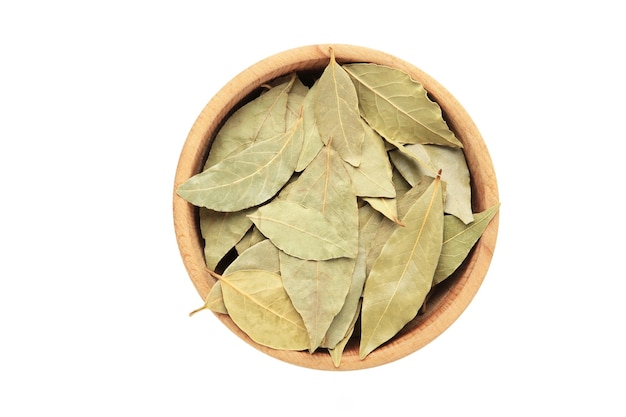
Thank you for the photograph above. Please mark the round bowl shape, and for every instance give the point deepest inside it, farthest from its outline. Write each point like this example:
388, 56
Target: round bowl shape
449, 299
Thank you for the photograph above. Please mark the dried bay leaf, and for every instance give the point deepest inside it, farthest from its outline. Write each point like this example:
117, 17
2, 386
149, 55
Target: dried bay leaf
260, 119
413, 163
295, 101
258, 304
459, 239
317, 290
454, 172
247, 178
301, 231
214, 301
386, 206
399, 107
373, 177
389, 206
337, 112
263, 255
343, 323
402, 275
311, 141
409, 198
325, 186
400, 184
221, 231
386, 228
295, 111
336, 352
251, 237
370, 221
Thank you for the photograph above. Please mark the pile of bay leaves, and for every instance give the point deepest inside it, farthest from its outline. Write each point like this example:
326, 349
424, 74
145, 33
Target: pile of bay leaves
344, 200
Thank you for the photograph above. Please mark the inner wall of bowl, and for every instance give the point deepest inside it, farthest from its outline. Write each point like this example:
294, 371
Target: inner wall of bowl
449, 298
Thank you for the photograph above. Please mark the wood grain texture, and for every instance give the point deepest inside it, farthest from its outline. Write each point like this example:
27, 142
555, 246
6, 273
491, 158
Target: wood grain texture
451, 297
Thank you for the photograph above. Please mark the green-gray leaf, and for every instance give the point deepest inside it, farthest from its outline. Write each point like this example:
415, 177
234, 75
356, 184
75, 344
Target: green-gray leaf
317, 290
386, 206
402, 275
376, 229
301, 231
401, 185
295, 101
252, 237
336, 353
412, 162
214, 301
458, 239
454, 172
341, 328
325, 186
312, 141
221, 231
373, 177
260, 119
399, 107
258, 304
383, 229
263, 255
337, 113
248, 178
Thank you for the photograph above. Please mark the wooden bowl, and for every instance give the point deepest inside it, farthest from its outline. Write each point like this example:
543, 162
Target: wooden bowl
449, 299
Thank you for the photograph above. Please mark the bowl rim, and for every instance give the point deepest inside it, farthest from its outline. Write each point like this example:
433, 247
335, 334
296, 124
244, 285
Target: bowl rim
458, 294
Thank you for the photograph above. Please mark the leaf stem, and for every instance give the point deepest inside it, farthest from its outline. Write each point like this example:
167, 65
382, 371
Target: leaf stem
197, 309
204, 307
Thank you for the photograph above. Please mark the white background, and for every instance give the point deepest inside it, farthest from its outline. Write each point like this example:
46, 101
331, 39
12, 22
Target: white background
96, 100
